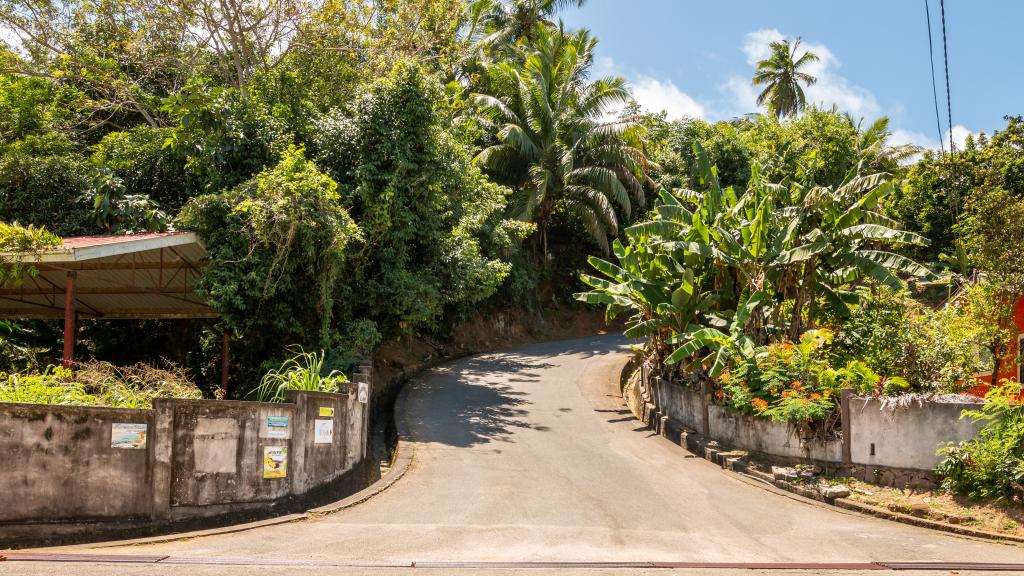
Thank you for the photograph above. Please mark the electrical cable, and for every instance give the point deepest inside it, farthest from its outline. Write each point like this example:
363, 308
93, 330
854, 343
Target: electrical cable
935, 89
945, 57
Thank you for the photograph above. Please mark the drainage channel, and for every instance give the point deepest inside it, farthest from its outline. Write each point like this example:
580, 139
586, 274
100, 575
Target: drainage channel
187, 560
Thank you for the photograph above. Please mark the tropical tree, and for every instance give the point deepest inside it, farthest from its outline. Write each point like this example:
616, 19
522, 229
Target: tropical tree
715, 273
781, 75
556, 146
502, 23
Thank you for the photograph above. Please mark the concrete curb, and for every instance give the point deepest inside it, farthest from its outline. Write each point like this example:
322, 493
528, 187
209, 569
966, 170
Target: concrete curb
731, 461
404, 452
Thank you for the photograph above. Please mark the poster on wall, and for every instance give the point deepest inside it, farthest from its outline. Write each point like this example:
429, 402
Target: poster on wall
277, 427
326, 412
323, 432
275, 461
364, 392
128, 435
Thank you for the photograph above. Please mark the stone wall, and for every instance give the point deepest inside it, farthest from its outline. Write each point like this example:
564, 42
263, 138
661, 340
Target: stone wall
896, 446
69, 469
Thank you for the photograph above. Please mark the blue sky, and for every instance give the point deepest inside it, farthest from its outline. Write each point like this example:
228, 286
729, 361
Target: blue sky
696, 57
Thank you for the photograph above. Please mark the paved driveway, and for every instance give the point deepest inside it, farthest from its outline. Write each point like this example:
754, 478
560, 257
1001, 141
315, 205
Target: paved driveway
530, 455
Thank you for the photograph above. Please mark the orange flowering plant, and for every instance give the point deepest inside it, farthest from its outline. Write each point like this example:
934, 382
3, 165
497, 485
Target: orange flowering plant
785, 381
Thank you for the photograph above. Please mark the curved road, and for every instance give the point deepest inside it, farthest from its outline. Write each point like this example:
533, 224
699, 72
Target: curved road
530, 455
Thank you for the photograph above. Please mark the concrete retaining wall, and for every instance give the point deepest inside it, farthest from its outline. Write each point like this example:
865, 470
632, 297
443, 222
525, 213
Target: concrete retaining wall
898, 446
56, 464
768, 437
68, 469
906, 437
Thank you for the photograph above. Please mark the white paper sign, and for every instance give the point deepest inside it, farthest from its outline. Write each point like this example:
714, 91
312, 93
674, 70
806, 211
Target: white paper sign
323, 432
364, 392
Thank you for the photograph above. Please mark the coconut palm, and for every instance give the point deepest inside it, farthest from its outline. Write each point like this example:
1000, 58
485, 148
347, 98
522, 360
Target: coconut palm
781, 74
556, 146
504, 22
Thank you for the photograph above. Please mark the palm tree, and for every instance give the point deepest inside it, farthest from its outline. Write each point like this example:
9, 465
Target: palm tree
556, 148
781, 74
504, 22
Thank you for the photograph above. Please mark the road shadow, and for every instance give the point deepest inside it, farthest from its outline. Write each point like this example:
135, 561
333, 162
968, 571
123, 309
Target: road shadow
461, 412
480, 399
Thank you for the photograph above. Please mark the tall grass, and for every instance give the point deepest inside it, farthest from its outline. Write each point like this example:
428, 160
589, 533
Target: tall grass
98, 384
303, 371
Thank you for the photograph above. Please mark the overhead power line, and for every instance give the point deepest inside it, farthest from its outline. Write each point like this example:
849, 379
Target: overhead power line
945, 57
935, 90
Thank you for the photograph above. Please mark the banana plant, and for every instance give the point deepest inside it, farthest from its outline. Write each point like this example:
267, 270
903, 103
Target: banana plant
713, 274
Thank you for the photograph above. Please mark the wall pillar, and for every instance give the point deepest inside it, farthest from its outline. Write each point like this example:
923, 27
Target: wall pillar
705, 414
162, 439
844, 410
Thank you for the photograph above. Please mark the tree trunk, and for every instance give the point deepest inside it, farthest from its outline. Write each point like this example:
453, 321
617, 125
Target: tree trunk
798, 312
997, 363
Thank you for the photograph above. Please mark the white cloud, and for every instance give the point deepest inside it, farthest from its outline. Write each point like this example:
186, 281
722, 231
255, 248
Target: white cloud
756, 44
929, 142
960, 134
742, 97
900, 137
830, 89
652, 94
655, 95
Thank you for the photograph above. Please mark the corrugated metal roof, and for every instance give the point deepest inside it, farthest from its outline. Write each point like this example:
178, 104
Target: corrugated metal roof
132, 276
88, 241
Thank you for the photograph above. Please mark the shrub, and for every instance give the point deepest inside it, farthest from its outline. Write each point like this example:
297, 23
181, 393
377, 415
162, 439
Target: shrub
304, 371
98, 384
52, 386
42, 181
14, 238
990, 466
134, 386
276, 246
783, 381
435, 236
143, 165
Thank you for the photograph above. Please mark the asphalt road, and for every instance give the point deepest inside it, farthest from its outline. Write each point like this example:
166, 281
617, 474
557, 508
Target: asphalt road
531, 455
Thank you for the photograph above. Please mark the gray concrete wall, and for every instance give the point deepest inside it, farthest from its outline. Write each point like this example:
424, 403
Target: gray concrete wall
766, 436
200, 458
906, 437
58, 464
681, 404
218, 451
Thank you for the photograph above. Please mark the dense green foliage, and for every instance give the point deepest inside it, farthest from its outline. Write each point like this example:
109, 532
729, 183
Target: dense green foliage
14, 238
277, 245
992, 465
714, 276
97, 384
432, 224
554, 148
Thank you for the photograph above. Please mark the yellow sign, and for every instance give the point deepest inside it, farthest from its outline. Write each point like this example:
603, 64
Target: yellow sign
326, 411
275, 461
